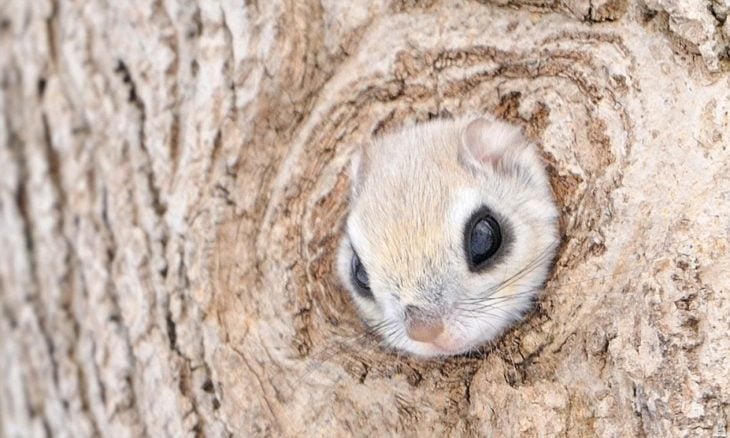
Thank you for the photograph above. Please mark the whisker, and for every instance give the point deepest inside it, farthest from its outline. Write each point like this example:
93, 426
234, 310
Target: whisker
341, 346
528, 268
489, 302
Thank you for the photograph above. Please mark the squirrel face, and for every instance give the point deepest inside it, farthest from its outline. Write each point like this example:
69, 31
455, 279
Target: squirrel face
451, 233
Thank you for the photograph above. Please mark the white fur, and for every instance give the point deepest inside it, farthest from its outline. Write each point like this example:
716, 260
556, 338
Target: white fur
407, 219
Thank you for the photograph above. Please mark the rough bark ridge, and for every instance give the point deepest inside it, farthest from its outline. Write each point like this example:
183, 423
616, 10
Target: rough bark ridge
174, 176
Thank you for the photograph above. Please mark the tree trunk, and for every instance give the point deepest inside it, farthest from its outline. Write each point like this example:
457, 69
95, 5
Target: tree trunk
174, 179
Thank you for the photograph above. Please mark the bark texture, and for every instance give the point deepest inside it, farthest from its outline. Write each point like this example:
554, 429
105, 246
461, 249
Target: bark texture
174, 176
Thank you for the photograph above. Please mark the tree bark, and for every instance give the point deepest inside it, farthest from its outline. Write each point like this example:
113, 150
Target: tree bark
174, 179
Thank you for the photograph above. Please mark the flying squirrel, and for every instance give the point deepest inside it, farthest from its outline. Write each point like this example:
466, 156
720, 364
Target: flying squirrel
450, 236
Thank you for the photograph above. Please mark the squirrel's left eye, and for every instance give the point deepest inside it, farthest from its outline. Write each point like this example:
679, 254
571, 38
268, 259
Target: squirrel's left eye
360, 277
483, 238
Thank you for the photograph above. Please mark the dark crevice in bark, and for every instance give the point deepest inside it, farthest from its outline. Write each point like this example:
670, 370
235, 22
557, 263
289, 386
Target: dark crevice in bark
22, 202
51, 32
54, 172
171, 331
41, 87
97, 373
135, 100
184, 385
46, 427
7, 313
174, 80
185, 375
215, 153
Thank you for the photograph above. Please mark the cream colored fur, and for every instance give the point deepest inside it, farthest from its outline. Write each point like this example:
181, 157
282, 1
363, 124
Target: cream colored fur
413, 192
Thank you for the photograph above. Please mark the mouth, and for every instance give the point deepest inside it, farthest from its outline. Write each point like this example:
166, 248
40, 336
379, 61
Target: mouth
431, 350
449, 352
442, 346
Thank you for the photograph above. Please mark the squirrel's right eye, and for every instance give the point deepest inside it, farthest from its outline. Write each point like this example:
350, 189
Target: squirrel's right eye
360, 277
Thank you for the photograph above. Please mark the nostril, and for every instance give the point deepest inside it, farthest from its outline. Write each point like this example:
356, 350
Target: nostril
412, 311
418, 312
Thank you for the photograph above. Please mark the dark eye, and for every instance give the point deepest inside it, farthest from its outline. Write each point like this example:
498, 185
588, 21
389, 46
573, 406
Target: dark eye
483, 238
360, 277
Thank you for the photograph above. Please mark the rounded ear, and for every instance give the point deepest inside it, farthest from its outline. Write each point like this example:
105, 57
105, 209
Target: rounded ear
359, 167
488, 141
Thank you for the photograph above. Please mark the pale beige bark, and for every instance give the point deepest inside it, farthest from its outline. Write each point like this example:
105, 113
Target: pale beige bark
174, 175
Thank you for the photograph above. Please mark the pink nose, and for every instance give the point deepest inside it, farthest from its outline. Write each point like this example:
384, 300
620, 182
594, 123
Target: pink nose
424, 331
